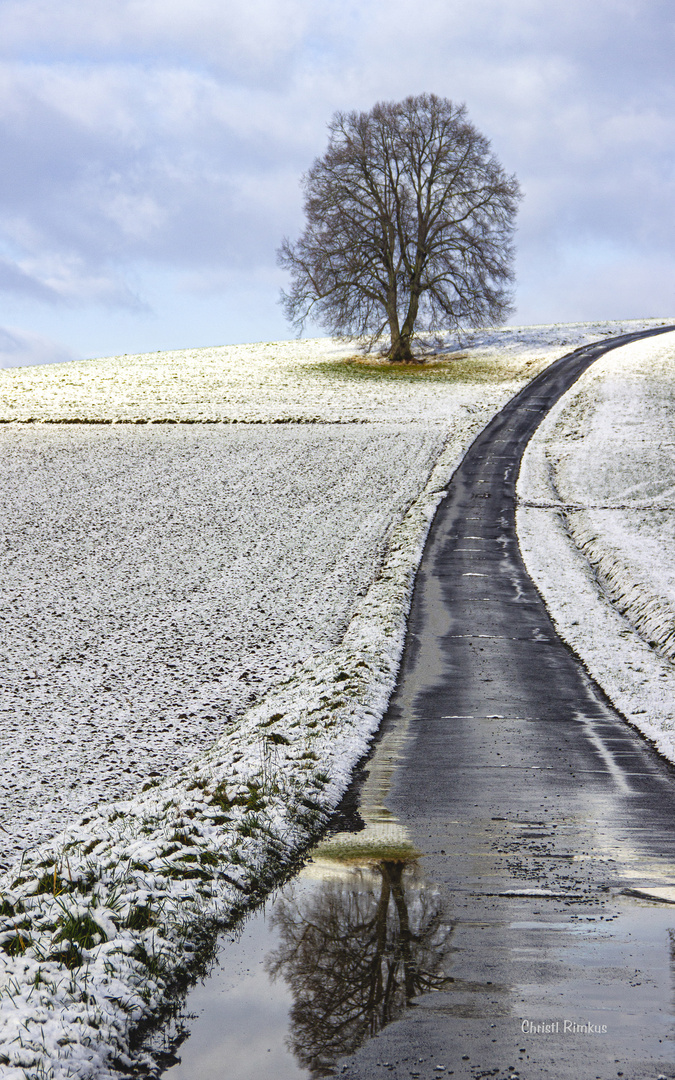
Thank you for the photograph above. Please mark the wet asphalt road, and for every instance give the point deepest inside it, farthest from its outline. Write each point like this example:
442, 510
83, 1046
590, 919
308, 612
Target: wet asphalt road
537, 808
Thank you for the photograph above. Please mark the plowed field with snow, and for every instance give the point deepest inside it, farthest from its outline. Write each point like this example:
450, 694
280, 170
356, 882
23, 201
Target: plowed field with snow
156, 580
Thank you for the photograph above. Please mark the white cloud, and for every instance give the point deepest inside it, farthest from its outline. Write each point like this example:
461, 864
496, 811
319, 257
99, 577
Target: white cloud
247, 37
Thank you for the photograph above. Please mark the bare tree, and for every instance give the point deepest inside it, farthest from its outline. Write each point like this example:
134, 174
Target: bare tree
409, 227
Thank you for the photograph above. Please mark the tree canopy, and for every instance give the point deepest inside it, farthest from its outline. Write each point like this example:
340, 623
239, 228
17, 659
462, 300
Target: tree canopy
409, 225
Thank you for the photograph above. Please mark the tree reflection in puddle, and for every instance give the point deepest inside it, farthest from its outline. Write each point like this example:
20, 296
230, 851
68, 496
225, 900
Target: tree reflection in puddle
355, 952
338, 954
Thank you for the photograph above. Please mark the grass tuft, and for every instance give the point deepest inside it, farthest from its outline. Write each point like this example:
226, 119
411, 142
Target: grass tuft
17, 944
77, 932
53, 883
220, 797
140, 917
277, 739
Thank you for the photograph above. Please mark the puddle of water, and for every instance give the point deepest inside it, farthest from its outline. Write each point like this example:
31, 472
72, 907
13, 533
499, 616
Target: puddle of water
237, 1019
334, 957
331, 958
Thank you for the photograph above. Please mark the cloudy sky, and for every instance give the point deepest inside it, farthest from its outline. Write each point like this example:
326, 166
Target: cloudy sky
151, 152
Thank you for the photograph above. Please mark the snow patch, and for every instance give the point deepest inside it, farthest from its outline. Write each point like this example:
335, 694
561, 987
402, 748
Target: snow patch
595, 523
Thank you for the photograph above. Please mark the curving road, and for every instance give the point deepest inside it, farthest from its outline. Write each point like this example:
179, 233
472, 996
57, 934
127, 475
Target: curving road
540, 812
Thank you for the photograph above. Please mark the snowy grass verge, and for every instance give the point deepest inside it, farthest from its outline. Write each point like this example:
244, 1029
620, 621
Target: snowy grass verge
595, 525
97, 924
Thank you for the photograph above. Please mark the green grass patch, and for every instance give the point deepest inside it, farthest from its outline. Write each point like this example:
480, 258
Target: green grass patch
78, 932
355, 853
277, 739
181, 873
54, 884
250, 825
459, 367
253, 798
273, 719
155, 965
219, 796
183, 837
200, 784
140, 918
209, 858
17, 944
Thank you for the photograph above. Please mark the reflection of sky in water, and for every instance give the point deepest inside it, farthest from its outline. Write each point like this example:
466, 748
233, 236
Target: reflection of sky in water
241, 1016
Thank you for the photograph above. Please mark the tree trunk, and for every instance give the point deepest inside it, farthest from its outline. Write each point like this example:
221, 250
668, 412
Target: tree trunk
399, 350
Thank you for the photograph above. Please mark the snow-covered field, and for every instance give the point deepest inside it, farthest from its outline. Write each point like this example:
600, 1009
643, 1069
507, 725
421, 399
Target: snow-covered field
299, 381
212, 613
596, 522
302, 381
156, 580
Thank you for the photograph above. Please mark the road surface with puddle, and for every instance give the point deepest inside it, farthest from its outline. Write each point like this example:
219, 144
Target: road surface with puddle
508, 907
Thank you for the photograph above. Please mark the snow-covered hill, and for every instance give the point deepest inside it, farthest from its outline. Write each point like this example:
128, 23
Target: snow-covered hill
205, 619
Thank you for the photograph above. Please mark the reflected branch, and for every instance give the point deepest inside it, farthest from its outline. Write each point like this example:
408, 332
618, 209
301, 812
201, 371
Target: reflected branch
354, 955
